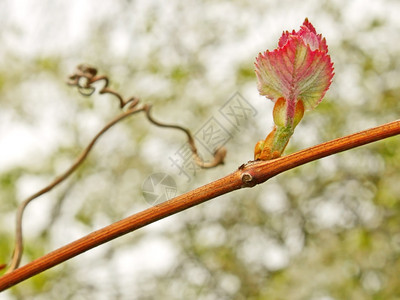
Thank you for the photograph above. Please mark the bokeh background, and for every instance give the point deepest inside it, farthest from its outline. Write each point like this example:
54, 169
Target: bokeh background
327, 230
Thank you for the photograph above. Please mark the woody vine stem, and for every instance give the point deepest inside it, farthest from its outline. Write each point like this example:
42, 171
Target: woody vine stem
247, 175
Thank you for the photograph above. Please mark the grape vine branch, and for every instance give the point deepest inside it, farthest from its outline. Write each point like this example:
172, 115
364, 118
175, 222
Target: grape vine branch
247, 175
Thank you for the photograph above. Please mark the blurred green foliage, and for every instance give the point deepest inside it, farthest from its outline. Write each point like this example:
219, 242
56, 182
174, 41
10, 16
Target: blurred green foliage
326, 230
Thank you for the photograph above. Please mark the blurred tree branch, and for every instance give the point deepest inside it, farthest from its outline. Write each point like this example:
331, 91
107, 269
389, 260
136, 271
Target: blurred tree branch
247, 175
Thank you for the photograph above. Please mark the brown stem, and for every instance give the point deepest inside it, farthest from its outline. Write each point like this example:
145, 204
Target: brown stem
248, 175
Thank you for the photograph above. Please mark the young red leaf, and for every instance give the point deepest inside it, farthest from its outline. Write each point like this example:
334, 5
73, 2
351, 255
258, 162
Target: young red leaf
296, 77
299, 69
